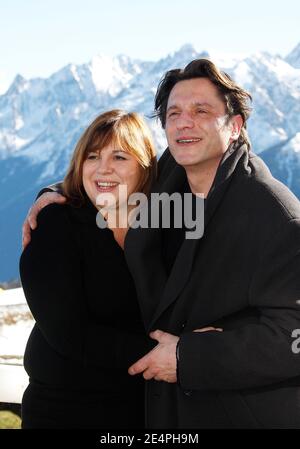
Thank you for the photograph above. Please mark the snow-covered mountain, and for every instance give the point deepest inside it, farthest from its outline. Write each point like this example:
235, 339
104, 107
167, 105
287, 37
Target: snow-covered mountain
41, 120
293, 58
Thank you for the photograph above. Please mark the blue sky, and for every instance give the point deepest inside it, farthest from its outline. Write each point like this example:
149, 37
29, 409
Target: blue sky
38, 37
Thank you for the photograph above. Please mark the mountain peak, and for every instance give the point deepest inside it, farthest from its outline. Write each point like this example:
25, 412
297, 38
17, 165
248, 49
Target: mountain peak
186, 51
19, 79
185, 48
43, 118
293, 58
18, 84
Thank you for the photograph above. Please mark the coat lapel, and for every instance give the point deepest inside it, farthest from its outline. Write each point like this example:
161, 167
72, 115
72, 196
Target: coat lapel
143, 250
184, 261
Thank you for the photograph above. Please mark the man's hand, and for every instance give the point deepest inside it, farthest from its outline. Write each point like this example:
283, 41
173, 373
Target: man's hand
209, 328
160, 363
30, 221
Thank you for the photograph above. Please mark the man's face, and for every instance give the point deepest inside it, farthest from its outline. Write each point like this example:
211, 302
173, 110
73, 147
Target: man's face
197, 126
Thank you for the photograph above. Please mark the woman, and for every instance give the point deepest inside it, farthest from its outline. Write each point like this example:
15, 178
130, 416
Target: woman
88, 325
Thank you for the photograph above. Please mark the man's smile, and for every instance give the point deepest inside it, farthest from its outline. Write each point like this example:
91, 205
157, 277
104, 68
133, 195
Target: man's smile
188, 140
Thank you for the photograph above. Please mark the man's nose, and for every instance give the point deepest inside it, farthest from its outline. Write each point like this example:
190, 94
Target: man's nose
184, 121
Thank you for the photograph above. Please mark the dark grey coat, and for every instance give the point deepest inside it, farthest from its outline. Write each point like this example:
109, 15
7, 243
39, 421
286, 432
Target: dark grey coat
243, 275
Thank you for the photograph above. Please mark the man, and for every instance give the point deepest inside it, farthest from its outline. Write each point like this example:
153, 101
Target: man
242, 276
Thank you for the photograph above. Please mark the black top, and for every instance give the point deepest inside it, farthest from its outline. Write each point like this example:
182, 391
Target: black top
88, 326
173, 238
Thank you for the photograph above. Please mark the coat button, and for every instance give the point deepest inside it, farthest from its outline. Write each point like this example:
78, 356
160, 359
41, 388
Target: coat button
188, 392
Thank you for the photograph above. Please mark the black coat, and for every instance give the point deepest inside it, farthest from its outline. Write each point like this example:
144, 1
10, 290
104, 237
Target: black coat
88, 325
242, 275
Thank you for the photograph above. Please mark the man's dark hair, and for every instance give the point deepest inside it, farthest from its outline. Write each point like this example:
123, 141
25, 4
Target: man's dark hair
235, 98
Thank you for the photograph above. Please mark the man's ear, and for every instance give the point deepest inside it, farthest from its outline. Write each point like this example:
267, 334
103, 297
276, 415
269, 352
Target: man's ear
236, 126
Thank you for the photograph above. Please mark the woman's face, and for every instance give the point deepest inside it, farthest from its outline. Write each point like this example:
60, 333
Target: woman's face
104, 171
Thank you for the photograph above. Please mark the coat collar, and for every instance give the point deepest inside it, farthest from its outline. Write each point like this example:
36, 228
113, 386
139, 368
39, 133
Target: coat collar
143, 248
183, 264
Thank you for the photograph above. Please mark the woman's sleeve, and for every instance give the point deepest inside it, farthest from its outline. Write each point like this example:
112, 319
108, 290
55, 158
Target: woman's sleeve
51, 274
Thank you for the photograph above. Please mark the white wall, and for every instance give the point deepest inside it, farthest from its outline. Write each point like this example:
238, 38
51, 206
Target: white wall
15, 327
13, 381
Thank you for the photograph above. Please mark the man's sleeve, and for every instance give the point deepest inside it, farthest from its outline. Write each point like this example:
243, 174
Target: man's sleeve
257, 354
52, 188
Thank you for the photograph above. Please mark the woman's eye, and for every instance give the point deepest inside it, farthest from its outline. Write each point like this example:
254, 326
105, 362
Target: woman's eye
120, 158
92, 156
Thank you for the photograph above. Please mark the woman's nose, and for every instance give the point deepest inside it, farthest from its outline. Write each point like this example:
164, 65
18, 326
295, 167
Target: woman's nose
104, 166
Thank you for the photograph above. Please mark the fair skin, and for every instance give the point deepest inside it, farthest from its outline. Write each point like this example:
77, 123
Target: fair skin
105, 171
199, 133
194, 110
160, 362
198, 130
111, 168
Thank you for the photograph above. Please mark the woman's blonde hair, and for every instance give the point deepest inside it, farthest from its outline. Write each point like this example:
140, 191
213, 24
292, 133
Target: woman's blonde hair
125, 130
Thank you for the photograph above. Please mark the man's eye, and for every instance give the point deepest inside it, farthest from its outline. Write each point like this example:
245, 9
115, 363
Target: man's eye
173, 114
201, 111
